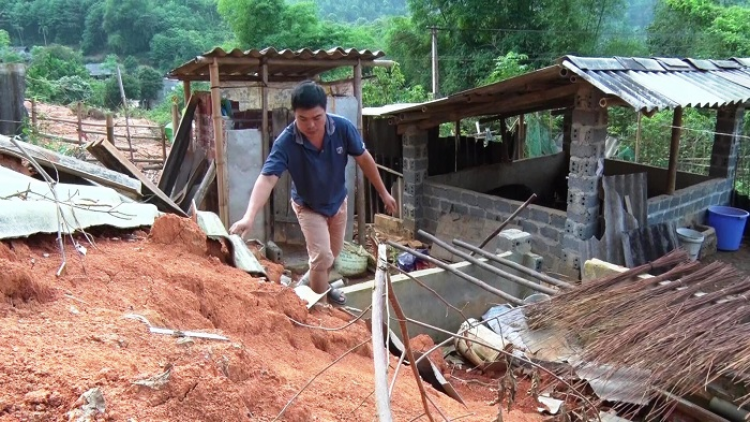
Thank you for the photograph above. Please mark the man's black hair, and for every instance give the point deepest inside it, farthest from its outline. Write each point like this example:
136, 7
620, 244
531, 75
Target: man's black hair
308, 95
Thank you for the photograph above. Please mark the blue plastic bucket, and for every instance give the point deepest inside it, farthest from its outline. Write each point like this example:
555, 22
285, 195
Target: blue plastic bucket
729, 224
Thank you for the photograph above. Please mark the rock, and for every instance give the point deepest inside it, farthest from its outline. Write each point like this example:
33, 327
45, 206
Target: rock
36, 397
55, 399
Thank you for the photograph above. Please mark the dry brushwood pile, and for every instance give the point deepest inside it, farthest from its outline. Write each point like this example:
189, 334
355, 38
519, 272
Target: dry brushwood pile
684, 328
68, 351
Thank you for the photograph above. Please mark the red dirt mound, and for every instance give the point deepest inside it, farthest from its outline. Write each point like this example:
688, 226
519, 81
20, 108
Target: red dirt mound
84, 338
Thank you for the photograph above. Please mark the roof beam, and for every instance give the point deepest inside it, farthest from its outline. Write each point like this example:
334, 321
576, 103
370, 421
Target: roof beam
311, 62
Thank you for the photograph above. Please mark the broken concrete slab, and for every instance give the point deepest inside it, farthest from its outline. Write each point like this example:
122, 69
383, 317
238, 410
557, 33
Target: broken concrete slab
28, 207
73, 166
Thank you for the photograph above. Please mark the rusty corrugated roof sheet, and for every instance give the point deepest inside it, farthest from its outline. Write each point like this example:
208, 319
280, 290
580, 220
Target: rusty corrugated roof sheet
283, 64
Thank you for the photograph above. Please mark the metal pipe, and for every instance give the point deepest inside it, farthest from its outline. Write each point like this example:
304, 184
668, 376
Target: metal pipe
473, 280
516, 266
485, 266
507, 221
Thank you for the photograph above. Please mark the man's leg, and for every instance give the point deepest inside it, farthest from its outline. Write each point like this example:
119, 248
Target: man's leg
337, 230
318, 241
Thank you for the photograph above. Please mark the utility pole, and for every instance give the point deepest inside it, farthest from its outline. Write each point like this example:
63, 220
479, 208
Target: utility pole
435, 75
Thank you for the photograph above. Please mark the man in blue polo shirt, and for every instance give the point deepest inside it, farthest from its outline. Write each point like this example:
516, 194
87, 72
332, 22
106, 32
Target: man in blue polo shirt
315, 149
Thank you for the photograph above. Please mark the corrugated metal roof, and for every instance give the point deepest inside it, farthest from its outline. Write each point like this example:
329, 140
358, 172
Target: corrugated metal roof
646, 84
387, 109
659, 83
288, 64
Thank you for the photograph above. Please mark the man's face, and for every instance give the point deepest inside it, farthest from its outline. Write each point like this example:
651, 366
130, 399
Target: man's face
311, 122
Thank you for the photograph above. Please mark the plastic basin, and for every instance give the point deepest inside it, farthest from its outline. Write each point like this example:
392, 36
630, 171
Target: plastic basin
729, 224
691, 240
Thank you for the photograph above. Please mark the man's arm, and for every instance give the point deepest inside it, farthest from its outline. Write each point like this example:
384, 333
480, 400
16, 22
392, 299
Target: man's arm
370, 170
258, 198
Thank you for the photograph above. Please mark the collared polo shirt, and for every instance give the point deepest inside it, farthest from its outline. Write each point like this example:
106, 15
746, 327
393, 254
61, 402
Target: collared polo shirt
318, 176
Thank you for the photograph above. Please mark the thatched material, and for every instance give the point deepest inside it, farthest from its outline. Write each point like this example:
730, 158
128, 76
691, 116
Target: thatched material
684, 333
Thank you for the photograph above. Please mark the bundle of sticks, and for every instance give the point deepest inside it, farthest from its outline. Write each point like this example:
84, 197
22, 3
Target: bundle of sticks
685, 328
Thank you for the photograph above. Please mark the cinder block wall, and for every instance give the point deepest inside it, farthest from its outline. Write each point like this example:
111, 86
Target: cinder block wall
546, 225
689, 204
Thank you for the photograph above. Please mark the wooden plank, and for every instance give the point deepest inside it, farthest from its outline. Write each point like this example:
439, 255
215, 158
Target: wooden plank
221, 158
389, 225
73, 166
200, 194
113, 159
674, 151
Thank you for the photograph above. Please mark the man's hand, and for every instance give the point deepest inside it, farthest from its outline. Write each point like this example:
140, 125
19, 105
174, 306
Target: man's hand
390, 203
242, 227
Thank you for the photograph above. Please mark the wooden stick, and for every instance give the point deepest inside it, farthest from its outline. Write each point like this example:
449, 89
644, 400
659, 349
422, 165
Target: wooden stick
79, 129
72, 122
222, 181
380, 357
473, 280
485, 266
405, 334
125, 107
674, 151
516, 266
507, 221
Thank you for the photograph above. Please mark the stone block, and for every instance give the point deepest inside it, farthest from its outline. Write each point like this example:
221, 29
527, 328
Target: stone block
578, 230
477, 212
469, 198
584, 166
558, 219
533, 261
513, 240
539, 215
421, 164
583, 183
461, 209
588, 216
572, 259
550, 233
530, 227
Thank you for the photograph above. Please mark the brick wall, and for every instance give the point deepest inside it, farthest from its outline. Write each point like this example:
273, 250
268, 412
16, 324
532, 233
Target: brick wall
689, 204
546, 225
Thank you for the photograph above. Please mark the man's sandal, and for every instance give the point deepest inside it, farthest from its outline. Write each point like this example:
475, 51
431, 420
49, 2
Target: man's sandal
336, 297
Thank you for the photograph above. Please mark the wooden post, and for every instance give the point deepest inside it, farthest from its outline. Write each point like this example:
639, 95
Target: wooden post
674, 151
164, 144
33, 114
186, 91
221, 153
175, 118
521, 146
79, 124
125, 107
360, 196
638, 137
110, 129
457, 143
265, 146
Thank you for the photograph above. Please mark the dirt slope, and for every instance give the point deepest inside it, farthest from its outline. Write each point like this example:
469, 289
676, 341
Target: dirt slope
60, 337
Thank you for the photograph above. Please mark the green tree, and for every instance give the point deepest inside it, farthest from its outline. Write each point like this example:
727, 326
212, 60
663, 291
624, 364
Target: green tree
112, 96
130, 65
151, 82
389, 87
54, 62
508, 66
130, 25
252, 20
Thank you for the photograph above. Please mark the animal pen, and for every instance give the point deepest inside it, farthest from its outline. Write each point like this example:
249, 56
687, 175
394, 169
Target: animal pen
585, 199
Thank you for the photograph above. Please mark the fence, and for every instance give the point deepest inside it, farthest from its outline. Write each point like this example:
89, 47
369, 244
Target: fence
123, 142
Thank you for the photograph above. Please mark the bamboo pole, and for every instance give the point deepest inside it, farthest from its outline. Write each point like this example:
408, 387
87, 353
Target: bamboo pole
221, 154
379, 353
674, 151
639, 121
175, 118
126, 108
506, 222
405, 335
79, 126
33, 114
360, 193
473, 280
110, 129
485, 266
266, 147
516, 266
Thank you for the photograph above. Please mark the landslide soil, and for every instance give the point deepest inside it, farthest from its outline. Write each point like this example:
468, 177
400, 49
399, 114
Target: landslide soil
62, 336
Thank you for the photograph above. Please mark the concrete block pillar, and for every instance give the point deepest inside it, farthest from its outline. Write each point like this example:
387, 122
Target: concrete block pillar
587, 145
729, 121
415, 172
